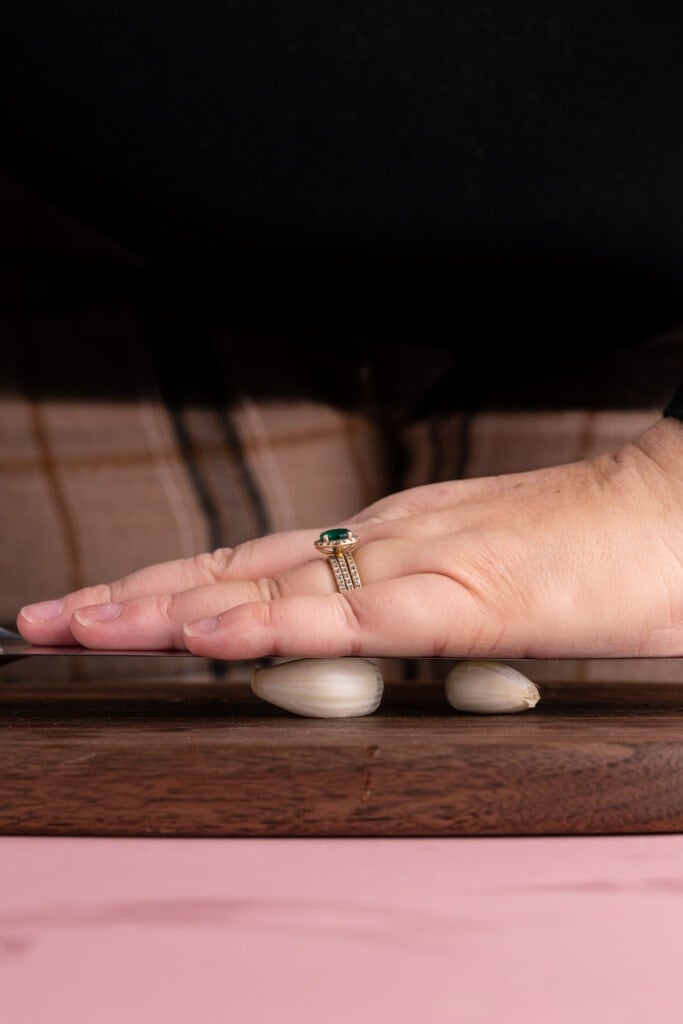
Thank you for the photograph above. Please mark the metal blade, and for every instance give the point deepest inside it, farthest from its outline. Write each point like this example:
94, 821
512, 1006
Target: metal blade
12, 645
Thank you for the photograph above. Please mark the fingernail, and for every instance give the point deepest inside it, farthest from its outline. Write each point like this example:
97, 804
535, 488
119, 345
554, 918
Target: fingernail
201, 627
43, 611
98, 613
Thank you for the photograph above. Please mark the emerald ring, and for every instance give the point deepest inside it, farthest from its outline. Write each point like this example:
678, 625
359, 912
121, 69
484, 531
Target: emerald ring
337, 545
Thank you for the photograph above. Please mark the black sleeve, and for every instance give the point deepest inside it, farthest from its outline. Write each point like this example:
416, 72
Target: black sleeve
675, 406
491, 178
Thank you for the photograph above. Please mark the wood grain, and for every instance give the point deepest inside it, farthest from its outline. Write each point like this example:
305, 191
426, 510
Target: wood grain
210, 759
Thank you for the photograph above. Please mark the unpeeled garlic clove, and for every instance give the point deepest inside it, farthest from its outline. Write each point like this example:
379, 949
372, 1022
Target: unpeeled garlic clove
489, 688
321, 687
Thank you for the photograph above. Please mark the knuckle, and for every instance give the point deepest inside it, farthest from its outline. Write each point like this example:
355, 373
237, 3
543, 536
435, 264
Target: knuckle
164, 606
350, 615
215, 565
269, 588
261, 616
101, 593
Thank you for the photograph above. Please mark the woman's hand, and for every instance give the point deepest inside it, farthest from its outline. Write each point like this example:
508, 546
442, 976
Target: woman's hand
578, 560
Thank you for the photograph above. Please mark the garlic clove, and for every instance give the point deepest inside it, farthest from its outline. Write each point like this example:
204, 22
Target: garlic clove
489, 688
321, 687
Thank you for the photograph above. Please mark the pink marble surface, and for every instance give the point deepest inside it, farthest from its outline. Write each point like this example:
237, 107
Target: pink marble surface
325, 931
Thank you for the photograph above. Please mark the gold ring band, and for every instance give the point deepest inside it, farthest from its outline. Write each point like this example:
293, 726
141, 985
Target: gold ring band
337, 544
353, 570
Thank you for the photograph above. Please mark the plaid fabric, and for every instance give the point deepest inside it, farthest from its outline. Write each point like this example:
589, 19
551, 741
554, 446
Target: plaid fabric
131, 435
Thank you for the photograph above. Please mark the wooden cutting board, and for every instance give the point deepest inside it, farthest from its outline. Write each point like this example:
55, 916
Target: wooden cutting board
210, 759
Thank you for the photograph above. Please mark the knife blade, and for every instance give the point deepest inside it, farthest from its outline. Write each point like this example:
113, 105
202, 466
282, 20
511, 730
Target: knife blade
12, 646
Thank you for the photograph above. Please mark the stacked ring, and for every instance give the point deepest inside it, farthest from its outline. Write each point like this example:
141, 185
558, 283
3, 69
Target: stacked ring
338, 544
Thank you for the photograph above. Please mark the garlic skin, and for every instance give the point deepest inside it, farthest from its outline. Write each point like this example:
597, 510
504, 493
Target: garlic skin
489, 688
321, 687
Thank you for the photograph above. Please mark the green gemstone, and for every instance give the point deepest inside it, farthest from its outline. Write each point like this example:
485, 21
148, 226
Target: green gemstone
330, 536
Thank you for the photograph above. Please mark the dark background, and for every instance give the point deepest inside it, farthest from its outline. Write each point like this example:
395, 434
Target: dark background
495, 184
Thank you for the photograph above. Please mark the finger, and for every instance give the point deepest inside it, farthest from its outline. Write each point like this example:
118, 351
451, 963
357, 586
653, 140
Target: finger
415, 616
49, 622
155, 622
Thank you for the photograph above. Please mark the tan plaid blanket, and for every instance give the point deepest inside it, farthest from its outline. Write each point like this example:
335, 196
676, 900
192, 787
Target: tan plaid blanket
105, 466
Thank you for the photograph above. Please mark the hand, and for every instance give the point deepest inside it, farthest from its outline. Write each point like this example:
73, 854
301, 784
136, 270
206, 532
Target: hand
578, 560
